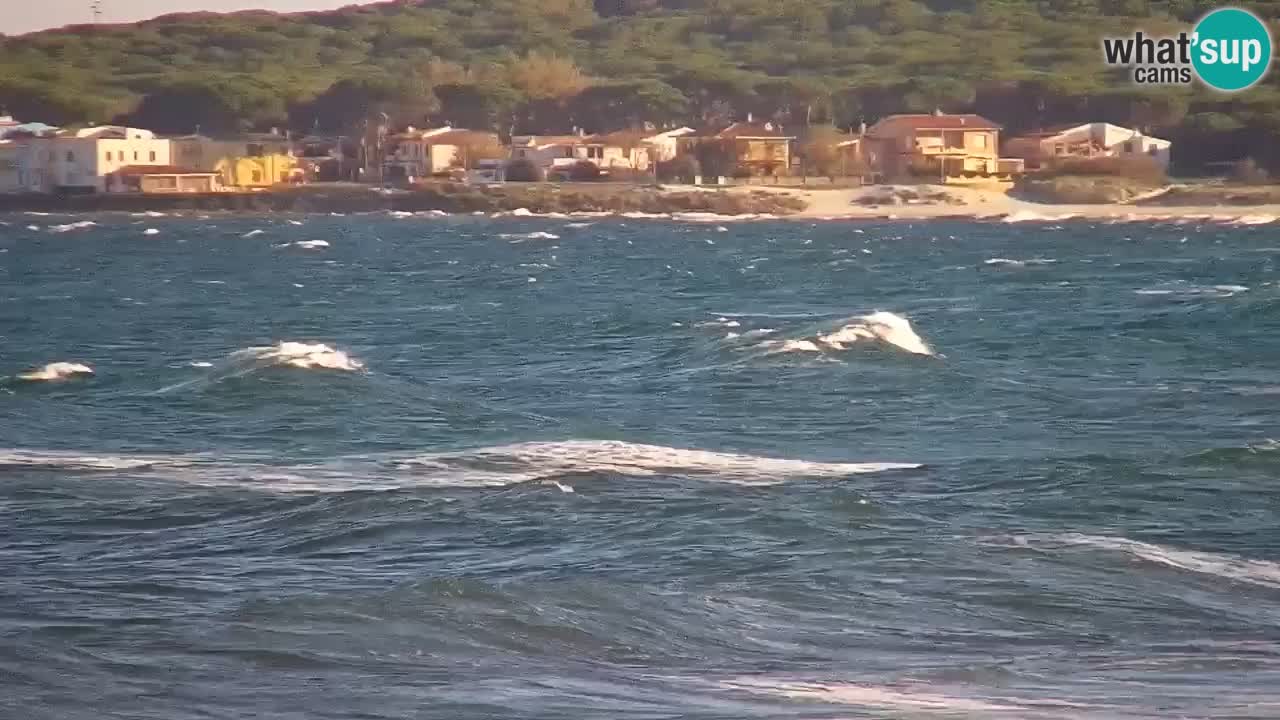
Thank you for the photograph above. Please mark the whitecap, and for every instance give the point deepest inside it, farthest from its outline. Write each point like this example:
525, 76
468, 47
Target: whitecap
1221, 565
83, 224
151, 231
306, 244
538, 235
900, 699
253, 233
56, 371
523, 462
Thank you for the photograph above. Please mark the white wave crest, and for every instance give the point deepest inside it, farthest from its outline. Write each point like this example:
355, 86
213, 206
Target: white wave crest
1019, 263
56, 371
538, 235
151, 231
253, 233
878, 696
19, 458
524, 462
306, 244
72, 226
1188, 290
307, 356
885, 327
1231, 567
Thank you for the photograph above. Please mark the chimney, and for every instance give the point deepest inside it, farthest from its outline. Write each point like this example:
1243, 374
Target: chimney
862, 128
750, 117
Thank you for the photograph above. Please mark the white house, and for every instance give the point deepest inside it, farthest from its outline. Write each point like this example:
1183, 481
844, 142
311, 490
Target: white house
1091, 140
86, 161
423, 153
619, 150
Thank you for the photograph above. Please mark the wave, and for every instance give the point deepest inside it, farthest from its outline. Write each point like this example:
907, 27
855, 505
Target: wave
878, 696
1019, 263
286, 354
1185, 289
151, 231
539, 235
523, 462
884, 327
1222, 565
306, 244
83, 224
549, 463
56, 371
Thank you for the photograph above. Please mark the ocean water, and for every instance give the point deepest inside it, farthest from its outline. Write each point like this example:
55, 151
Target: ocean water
389, 467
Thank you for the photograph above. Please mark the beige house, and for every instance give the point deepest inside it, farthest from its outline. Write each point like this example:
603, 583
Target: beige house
165, 179
936, 147
753, 148
423, 153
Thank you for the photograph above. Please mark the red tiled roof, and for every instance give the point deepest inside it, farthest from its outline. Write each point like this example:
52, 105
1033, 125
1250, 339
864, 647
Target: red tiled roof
897, 123
160, 170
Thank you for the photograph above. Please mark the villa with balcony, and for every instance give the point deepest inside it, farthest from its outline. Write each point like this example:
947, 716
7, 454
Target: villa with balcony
937, 147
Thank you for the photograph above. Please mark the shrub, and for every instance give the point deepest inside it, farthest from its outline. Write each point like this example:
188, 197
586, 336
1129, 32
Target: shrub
584, 171
523, 170
1132, 167
682, 168
1247, 172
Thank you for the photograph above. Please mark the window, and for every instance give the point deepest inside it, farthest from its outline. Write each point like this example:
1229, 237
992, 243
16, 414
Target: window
1153, 151
71, 157
135, 154
980, 140
596, 153
257, 176
1128, 147
108, 156
153, 156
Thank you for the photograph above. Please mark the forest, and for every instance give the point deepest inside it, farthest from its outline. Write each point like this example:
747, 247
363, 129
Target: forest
522, 66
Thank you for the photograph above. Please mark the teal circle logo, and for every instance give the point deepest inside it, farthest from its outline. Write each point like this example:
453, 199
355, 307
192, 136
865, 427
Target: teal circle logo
1231, 49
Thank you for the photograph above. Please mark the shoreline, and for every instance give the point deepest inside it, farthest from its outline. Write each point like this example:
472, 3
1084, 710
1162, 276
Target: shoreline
674, 202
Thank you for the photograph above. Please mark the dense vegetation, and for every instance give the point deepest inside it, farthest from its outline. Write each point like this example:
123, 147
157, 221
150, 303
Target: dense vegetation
551, 65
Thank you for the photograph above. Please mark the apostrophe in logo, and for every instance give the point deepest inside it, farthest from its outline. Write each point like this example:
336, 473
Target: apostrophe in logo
1231, 49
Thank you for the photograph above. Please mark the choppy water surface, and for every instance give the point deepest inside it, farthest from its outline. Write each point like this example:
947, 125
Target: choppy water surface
475, 468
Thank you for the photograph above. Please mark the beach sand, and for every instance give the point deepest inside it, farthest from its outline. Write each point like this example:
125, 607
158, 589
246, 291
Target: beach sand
994, 204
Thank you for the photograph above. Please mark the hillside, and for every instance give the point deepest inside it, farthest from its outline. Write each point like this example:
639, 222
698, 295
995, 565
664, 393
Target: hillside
555, 64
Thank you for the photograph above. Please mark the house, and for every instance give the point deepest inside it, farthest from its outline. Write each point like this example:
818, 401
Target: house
85, 161
423, 153
1096, 139
550, 153
254, 161
752, 148
936, 146
634, 149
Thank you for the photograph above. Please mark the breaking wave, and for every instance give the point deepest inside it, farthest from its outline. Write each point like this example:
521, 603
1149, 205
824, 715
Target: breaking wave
56, 371
287, 354
883, 327
877, 696
524, 462
1264, 573
500, 466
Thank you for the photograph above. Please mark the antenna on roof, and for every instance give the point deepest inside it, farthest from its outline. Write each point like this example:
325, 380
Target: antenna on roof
95, 7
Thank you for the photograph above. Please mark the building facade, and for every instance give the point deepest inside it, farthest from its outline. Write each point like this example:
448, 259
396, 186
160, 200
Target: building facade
936, 147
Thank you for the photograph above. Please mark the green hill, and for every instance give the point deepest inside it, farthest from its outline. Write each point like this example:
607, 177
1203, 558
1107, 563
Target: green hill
551, 65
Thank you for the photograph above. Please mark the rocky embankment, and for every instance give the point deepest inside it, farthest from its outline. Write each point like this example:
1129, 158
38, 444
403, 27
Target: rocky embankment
447, 197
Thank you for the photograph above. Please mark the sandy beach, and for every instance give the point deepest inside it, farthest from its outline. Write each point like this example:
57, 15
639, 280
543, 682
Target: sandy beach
965, 202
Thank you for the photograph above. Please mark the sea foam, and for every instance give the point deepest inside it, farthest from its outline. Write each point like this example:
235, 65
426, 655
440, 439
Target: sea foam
884, 327
56, 371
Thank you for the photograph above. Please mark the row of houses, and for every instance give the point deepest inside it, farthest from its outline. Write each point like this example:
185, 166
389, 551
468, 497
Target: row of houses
933, 147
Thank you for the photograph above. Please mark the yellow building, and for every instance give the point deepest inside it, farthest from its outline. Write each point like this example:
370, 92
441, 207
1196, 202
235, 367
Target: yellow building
248, 163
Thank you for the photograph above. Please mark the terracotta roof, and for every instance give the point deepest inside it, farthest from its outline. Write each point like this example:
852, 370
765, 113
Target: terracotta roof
897, 123
160, 170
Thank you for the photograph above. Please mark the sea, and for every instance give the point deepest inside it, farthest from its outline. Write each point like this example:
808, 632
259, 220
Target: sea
455, 467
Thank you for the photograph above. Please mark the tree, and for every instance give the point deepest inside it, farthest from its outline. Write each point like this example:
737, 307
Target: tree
522, 170
821, 151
